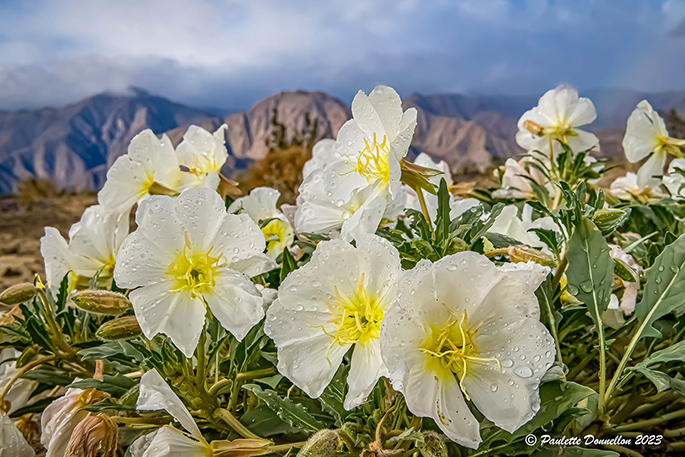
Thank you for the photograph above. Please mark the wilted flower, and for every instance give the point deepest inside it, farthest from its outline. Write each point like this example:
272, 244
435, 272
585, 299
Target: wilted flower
92, 249
558, 116
332, 304
463, 328
674, 180
260, 205
61, 417
360, 184
96, 435
187, 254
12, 442
646, 134
203, 154
457, 205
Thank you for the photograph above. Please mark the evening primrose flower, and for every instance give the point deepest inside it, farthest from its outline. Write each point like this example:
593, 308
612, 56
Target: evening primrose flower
629, 186
92, 248
508, 223
558, 116
155, 394
457, 205
323, 153
335, 303
61, 417
188, 254
203, 154
646, 134
12, 442
465, 329
674, 180
517, 181
150, 167
260, 205
22, 388
617, 309
359, 183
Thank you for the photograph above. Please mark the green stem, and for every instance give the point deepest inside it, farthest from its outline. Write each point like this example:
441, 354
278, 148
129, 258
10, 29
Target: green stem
642, 425
235, 424
20, 373
424, 208
201, 362
287, 446
217, 386
624, 450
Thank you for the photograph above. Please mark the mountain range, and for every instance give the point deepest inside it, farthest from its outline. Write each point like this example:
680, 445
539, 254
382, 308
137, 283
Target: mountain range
73, 145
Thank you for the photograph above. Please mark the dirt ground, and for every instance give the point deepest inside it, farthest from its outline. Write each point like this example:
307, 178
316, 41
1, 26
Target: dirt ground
21, 227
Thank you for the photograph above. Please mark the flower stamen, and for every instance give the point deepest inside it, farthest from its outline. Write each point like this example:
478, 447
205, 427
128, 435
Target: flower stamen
372, 161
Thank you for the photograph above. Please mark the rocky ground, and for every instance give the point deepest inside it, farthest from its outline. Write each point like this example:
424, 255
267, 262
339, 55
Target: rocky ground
21, 227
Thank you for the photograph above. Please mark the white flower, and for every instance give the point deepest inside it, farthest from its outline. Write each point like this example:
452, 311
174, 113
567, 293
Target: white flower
335, 303
260, 205
516, 180
151, 167
323, 153
674, 180
203, 154
354, 183
646, 134
22, 389
457, 205
61, 416
614, 315
12, 442
155, 394
188, 253
629, 186
463, 328
92, 249
558, 116
508, 223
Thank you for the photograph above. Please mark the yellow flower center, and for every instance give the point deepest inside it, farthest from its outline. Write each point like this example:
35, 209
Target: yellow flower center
358, 316
562, 131
451, 351
193, 271
372, 161
274, 233
670, 145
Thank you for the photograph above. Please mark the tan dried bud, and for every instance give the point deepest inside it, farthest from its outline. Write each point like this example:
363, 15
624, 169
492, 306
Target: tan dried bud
533, 127
102, 302
240, 447
323, 443
94, 436
433, 445
18, 293
525, 253
121, 328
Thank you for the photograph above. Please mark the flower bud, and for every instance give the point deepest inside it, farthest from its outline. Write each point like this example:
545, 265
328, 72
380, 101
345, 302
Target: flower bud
609, 219
433, 445
323, 443
524, 253
533, 127
121, 328
102, 302
96, 435
26, 356
18, 293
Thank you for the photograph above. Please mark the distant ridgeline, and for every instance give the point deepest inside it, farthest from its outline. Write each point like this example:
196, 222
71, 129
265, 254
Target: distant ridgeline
72, 146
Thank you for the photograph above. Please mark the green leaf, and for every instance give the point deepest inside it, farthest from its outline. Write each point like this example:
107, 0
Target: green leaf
289, 264
263, 421
116, 385
672, 353
665, 289
289, 411
661, 380
333, 396
573, 451
442, 220
590, 270
414, 436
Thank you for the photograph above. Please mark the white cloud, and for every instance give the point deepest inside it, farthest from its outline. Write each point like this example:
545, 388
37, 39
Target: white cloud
231, 53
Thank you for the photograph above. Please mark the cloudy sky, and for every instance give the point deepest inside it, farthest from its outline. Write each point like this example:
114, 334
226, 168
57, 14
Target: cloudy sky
229, 54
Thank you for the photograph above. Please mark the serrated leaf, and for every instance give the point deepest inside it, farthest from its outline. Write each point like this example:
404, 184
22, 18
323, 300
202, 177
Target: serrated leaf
333, 396
442, 220
590, 269
114, 385
414, 436
289, 411
665, 289
263, 421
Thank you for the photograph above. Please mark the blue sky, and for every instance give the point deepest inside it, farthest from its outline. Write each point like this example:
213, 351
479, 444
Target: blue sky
230, 54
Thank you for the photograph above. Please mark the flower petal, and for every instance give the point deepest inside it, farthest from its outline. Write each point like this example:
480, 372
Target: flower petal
177, 315
366, 368
169, 442
155, 394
